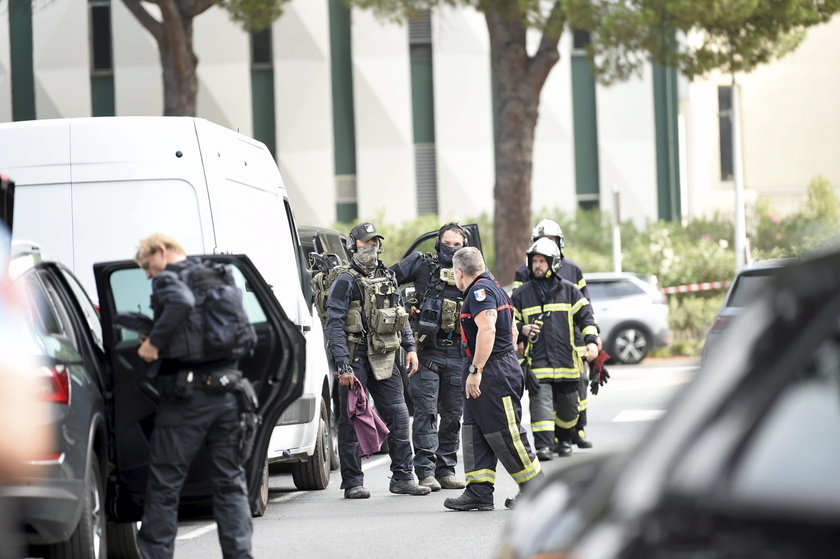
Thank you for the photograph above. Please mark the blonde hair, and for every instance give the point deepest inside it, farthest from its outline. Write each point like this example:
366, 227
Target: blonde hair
150, 244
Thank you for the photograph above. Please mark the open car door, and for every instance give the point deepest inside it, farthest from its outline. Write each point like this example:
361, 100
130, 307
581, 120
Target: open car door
276, 369
426, 241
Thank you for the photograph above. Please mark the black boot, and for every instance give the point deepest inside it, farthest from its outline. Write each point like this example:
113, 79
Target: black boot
466, 502
564, 448
580, 439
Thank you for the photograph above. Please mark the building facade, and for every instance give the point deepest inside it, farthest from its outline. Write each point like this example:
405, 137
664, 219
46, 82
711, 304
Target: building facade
368, 118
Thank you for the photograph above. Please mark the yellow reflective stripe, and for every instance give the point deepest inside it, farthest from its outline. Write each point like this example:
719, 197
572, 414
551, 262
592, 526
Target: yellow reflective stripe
565, 424
583, 404
590, 330
531, 311
557, 307
481, 476
572, 375
542, 426
581, 284
579, 305
517, 314
516, 284
530, 472
532, 468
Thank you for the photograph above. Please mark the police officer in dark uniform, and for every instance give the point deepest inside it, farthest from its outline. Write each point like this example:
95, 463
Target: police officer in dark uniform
436, 388
343, 331
187, 418
493, 385
573, 273
548, 311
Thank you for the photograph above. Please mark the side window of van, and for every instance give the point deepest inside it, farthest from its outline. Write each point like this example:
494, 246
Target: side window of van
303, 273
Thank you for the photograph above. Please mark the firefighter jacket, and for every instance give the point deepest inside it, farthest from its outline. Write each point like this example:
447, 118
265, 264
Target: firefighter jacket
568, 271
436, 303
343, 291
562, 309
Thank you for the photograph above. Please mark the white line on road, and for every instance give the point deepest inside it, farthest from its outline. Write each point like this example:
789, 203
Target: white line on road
638, 415
198, 532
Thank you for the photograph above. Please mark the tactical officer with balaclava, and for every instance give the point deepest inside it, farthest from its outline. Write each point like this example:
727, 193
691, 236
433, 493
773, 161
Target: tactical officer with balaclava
436, 387
366, 324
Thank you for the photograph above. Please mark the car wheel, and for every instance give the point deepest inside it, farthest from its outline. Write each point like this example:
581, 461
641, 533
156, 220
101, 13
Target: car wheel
334, 460
122, 540
314, 473
629, 344
88, 540
263, 502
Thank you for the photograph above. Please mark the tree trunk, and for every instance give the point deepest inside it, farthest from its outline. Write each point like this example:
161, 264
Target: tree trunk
174, 36
519, 79
179, 63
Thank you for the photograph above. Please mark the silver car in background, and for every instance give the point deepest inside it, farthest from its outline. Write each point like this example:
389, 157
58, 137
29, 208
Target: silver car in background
632, 314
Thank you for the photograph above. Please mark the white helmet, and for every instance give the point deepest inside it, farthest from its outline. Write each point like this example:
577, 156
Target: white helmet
548, 249
548, 228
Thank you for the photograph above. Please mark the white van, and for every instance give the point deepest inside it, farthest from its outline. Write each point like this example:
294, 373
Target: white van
89, 189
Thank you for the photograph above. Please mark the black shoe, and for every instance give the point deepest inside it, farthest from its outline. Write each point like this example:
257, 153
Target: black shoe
466, 502
408, 487
544, 453
510, 502
356, 492
564, 449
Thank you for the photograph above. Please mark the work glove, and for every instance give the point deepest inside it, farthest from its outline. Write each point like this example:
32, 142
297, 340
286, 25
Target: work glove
532, 383
599, 375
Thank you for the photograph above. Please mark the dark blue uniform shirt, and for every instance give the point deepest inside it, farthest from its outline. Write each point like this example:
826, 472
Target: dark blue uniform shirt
485, 293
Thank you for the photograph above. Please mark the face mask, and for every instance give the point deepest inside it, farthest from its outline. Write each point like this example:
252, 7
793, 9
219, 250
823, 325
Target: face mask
366, 258
445, 255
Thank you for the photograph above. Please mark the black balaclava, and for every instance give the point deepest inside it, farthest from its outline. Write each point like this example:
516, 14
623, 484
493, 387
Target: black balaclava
445, 254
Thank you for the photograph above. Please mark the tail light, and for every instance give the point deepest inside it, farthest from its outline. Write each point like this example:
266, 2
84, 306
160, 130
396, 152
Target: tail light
54, 384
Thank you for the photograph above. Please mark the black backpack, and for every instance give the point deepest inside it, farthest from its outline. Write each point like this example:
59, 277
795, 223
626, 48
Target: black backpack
218, 316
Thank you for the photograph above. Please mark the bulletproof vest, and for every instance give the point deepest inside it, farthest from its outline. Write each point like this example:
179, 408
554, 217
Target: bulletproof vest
439, 305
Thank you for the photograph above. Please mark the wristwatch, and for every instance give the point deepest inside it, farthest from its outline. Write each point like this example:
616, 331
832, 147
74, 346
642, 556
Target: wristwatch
475, 370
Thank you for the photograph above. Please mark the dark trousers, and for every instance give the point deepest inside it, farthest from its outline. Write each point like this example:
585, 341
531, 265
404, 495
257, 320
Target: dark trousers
554, 412
181, 429
493, 429
583, 395
390, 405
437, 393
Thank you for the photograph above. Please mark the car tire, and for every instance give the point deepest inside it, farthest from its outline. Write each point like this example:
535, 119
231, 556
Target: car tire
629, 344
314, 473
262, 504
122, 541
88, 540
335, 462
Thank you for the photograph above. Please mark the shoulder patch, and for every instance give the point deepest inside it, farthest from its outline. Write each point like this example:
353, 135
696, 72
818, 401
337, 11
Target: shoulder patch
480, 294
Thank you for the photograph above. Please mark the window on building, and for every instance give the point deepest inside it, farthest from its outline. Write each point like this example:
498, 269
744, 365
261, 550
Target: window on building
580, 39
725, 122
100, 33
261, 51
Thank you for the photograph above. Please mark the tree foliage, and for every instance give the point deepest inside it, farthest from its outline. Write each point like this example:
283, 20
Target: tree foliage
727, 35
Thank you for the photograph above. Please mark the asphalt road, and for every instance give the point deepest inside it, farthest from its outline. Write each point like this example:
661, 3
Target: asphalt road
306, 524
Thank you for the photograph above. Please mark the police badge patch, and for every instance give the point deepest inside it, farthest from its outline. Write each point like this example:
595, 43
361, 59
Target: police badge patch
480, 294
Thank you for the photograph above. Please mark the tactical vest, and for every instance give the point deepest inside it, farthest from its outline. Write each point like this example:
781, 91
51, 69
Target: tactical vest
378, 318
437, 312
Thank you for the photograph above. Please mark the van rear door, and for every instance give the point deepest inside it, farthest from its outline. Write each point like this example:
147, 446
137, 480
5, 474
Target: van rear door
276, 369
